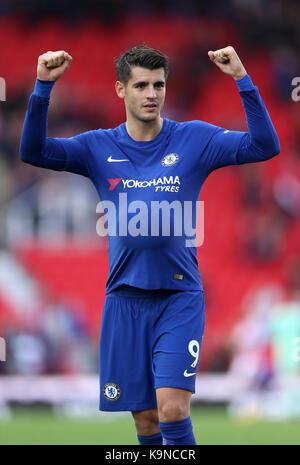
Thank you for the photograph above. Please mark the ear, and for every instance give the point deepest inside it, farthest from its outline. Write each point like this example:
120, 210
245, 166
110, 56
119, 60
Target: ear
120, 89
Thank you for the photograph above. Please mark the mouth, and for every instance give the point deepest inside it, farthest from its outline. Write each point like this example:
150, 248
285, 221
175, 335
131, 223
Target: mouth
150, 106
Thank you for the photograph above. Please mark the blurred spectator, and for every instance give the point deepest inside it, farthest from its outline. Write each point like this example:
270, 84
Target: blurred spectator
286, 67
27, 351
262, 237
250, 338
253, 186
286, 192
284, 328
56, 341
266, 353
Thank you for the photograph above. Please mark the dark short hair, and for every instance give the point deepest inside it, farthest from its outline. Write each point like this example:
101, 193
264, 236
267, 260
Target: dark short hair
143, 56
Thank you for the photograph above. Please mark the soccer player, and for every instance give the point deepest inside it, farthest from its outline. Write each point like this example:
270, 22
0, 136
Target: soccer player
153, 316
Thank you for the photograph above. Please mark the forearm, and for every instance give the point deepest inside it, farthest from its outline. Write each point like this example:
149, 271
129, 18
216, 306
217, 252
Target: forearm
35, 148
261, 142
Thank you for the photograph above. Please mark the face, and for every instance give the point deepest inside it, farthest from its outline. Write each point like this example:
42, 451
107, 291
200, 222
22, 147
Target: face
144, 94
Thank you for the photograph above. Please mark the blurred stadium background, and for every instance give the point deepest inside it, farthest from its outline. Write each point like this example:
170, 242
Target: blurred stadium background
53, 266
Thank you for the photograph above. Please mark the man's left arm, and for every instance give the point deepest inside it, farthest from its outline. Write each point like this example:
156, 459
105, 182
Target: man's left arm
261, 141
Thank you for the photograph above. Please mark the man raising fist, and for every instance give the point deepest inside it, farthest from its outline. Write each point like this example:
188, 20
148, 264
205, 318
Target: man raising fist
153, 316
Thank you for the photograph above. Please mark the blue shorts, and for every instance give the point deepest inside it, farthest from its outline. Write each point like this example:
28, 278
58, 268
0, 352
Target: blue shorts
148, 340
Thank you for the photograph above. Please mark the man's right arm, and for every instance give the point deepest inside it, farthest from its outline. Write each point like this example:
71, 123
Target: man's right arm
36, 148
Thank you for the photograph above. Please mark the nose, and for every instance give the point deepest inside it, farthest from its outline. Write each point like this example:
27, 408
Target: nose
151, 92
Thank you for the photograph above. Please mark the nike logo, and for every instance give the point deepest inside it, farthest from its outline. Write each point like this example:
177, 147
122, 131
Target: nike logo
113, 159
225, 132
186, 374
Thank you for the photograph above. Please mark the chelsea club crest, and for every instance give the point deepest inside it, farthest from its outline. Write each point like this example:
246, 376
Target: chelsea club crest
111, 391
170, 159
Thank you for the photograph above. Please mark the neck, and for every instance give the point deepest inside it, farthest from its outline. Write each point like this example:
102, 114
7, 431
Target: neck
143, 131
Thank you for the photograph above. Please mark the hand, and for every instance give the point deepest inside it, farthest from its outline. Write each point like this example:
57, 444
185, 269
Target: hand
228, 61
52, 65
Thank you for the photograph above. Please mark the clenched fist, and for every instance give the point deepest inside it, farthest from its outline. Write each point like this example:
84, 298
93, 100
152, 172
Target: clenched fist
52, 65
228, 61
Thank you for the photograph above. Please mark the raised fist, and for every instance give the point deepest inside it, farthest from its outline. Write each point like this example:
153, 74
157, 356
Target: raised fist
52, 65
228, 61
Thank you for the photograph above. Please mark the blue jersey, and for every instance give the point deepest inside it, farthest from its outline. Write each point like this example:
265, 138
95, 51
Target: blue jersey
134, 179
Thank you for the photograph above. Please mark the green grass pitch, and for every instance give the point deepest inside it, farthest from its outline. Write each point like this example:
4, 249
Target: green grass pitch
211, 426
